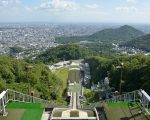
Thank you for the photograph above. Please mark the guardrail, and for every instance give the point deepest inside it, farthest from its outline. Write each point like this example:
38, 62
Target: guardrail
134, 96
3, 101
11, 95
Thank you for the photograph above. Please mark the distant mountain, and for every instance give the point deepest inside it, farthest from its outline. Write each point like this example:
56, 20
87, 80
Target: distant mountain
123, 33
142, 42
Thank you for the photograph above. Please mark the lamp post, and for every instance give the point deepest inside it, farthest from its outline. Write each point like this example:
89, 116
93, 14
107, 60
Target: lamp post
28, 68
49, 86
121, 67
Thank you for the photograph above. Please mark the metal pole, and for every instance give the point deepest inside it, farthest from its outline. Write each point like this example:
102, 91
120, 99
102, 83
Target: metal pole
120, 80
121, 76
28, 86
3, 107
28, 68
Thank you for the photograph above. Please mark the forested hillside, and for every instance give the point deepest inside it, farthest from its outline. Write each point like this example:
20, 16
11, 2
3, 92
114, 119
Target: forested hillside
123, 33
135, 73
15, 74
63, 52
142, 42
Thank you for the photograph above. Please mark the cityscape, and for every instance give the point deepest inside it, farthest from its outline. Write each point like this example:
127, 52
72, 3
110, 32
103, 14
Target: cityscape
35, 38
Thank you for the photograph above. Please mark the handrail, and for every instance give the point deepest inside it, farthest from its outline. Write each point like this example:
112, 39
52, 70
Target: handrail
2, 94
12, 95
134, 96
35, 98
146, 95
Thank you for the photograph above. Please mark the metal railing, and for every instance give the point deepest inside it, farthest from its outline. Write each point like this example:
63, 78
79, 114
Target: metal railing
11, 95
91, 105
3, 101
135, 96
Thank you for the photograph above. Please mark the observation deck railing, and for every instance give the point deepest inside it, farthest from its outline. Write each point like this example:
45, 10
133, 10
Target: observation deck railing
135, 96
11, 95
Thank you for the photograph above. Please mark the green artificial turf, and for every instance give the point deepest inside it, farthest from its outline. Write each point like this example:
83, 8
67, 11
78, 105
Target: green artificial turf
124, 111
33, 111
133, 104
32, 114
18, 105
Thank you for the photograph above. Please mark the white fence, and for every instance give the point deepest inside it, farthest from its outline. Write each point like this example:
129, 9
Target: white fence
135, 96
11, 95
3, 101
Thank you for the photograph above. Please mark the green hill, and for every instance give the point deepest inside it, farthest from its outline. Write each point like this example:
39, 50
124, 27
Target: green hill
63, 52
15, 74
123, 33
142, 42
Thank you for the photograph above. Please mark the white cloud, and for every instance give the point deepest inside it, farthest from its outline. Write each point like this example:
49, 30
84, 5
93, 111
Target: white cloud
92, 6
29, 9
9, 3
59, 5
126, 9
132, 1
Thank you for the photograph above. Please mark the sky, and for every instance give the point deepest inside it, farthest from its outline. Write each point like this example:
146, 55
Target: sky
93, 11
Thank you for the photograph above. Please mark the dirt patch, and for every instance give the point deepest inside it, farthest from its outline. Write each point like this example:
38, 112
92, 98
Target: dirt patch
13, 114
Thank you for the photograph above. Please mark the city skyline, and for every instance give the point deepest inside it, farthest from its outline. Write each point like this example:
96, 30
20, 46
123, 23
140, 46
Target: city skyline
118, 11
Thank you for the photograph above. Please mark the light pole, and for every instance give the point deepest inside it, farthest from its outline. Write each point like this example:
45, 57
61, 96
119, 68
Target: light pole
28, 68
121, 67
49, 86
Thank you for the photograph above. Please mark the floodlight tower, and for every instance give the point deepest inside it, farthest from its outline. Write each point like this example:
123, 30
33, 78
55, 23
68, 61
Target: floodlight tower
121, 67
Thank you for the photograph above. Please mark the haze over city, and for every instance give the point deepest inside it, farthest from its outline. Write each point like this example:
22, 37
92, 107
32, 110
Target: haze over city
118, 11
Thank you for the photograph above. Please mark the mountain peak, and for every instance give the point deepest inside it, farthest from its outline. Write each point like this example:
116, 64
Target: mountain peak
127, 27
123, 33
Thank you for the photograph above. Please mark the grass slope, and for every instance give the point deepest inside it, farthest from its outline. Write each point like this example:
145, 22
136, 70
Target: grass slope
62, 74
17, 105
133, 104
74, 76
75, 88
124, 112
32, 114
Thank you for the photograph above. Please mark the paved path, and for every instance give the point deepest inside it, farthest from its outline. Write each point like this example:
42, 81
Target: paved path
74, 101
45, 116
